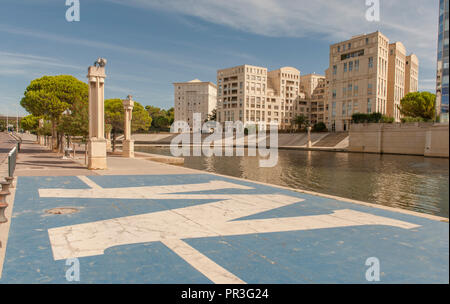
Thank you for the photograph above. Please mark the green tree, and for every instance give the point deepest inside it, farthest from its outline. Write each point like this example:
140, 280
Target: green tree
46, 130
50, 96
300, 120
161, 122
171, 115
319, 127
418, 105
212, 116
114, 117
161, 119
30, 123
2, 125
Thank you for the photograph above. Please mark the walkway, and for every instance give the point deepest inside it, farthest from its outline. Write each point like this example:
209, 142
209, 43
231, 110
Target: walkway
7, 142
146, 222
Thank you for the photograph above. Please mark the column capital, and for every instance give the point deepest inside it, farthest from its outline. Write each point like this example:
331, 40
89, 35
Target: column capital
128, 103
95, 72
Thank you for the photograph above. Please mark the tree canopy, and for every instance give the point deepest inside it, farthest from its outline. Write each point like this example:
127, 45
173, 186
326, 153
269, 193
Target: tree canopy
300, 120
30, 123
49, 96
114, 116
420, 105
161, 119
76, 122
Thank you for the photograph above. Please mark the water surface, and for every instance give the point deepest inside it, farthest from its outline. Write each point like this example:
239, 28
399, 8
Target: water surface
409, 182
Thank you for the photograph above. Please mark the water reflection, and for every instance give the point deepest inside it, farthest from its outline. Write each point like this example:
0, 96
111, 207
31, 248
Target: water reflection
409, 182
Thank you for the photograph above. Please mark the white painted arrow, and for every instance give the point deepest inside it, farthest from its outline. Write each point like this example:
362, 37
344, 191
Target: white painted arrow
206, 220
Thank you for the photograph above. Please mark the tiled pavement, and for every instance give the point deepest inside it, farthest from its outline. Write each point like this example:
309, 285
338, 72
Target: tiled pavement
143, 222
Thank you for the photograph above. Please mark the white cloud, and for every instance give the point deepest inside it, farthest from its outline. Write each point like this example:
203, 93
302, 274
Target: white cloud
158, 56
28, 62
414, 22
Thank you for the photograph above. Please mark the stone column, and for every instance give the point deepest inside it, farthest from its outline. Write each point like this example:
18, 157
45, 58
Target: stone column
128, 143
41, 138
97, 141
108, 141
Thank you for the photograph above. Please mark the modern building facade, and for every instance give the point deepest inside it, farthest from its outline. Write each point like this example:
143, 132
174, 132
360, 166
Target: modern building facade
192, 97
367, 74
358, 78
314, 88
412, 74
396, 79
442, 79
403, 78
253, 94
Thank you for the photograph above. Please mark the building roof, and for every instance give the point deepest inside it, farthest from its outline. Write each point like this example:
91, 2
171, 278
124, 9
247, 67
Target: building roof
195, 81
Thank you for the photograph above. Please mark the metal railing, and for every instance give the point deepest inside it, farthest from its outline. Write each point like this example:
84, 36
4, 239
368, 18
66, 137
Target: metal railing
12, 158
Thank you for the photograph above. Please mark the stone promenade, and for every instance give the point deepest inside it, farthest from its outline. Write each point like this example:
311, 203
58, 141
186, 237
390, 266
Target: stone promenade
141, 221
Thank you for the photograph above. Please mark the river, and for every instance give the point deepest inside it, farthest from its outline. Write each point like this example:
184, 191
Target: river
409, 182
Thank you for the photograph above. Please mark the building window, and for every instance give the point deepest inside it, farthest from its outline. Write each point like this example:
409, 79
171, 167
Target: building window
369, 105
345, 67
334, 69
350, 66
370, 62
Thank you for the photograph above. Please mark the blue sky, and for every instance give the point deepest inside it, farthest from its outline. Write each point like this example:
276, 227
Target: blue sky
150, 44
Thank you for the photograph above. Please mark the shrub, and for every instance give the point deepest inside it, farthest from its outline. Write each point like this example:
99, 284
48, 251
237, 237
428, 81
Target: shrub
412, 119
387, 119
320, 127
371, 118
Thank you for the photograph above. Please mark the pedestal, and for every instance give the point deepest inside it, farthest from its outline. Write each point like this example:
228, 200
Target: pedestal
128, 148
97, 154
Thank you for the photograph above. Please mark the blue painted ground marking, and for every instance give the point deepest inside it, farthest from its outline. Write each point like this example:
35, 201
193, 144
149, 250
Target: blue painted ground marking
331, 255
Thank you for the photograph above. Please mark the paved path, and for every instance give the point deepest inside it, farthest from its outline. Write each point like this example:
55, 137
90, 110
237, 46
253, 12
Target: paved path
145, 222
7, 142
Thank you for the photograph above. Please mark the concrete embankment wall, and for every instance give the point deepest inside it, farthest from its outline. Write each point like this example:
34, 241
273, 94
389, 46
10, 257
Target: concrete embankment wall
425, 139
284, 139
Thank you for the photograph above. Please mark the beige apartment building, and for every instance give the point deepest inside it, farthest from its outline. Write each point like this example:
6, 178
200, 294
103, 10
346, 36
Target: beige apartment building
314, 88
192, 97
403, 77
412, 74
252, 94
358, 78
367, 75
396, 79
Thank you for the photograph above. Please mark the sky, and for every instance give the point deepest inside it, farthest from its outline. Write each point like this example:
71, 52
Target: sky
150, 44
